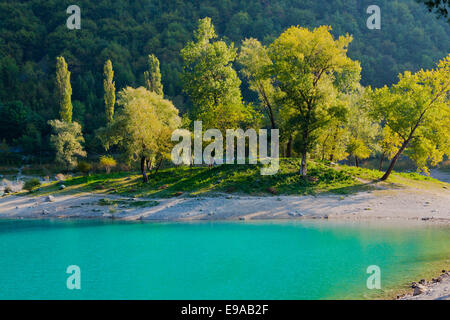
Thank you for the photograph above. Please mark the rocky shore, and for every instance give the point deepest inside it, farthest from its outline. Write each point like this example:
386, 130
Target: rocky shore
436, 289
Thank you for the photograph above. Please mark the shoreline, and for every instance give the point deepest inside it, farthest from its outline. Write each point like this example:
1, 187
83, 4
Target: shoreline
386, 204
438, 288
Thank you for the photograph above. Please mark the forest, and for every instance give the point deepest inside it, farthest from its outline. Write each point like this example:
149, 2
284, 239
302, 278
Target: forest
346, 101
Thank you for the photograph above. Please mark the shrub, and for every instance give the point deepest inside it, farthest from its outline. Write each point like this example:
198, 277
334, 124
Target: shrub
107, 162
31, 184
84, 167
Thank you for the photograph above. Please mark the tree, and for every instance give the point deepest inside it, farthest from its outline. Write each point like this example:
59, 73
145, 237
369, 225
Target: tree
417, 110
389, 144
211, 82
152, 77
332, 139
63, 90
255, 61
13, 119
110, 90
362, 130
107, 162
440, 7
67, 142
309, 67
142, 127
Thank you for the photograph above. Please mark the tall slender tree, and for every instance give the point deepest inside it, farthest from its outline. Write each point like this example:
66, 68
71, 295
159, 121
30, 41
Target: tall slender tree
63, 90
110, 90
152, 77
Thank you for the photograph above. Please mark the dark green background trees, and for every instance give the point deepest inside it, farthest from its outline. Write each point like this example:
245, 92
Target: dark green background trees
33, 33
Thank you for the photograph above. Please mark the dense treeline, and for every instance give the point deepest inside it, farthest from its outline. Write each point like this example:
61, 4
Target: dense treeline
34, 33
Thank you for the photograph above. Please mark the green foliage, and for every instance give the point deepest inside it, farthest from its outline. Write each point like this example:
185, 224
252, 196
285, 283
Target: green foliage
306, 64
110, 90
143, 126
211, 82
107, 162
417, 112
84, 167
63, 90
363, 131
440, 7
13, 119
33, 34
32, 184
152, 77
255, 61
67, 142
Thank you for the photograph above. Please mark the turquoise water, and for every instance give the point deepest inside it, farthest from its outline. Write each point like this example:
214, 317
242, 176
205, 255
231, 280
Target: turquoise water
220, 260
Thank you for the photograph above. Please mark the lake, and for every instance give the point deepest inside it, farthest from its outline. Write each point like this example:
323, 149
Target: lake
215, 260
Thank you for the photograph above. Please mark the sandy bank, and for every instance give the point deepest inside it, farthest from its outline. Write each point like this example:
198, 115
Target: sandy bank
402, 204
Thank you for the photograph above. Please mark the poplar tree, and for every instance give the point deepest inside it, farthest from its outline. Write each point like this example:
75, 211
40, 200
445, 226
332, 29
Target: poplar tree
63, 90
110, 90
152, 77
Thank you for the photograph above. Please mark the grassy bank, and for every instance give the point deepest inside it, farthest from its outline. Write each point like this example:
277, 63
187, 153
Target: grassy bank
239, 179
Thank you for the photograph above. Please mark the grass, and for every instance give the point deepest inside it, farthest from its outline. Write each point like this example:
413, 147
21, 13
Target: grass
238, 179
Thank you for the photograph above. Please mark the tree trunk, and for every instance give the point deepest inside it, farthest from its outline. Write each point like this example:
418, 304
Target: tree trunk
157, 167
149, 165
144, 174
394, 160
333, 148
381, 161
289, 148
356, 162
303, 169
268, 105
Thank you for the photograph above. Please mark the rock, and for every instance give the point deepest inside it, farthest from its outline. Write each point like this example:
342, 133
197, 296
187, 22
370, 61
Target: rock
107, 215
211, 213
45, 212
419, 289
443, 271
50, 198
229, 197
425, 218
62, 187
422, 281
272, 190
295, 214
241, 218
